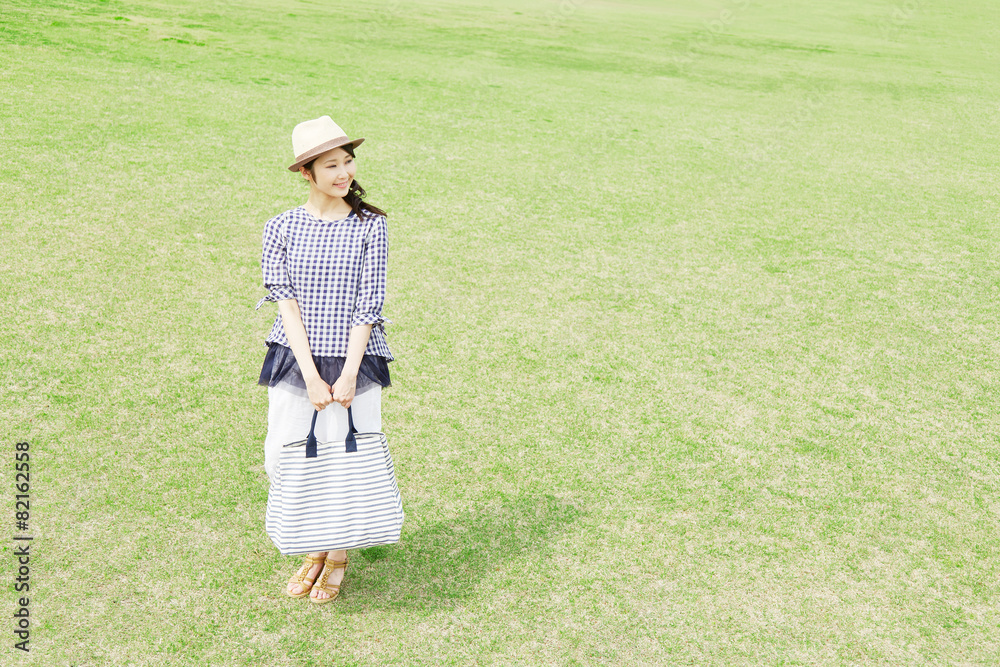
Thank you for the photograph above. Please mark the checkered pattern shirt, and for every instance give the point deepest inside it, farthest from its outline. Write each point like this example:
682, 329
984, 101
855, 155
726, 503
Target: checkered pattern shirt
336, 272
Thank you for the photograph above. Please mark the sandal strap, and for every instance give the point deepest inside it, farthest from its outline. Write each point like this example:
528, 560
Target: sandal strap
300, 575
323, 578
329, 589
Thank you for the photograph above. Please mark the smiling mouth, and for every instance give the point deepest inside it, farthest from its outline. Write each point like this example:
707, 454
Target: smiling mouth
342, 185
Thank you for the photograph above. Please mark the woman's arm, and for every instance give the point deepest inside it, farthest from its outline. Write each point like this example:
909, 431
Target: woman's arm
298, 340
357, 343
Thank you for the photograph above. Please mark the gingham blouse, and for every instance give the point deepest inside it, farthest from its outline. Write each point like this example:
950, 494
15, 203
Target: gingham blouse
335, 270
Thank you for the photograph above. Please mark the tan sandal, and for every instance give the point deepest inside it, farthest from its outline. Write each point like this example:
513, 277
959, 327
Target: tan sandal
300, 578
321, 585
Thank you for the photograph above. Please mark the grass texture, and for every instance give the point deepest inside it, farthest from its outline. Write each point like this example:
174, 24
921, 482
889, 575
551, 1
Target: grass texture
694, 304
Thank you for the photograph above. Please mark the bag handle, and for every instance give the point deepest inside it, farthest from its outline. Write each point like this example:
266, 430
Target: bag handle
350, 444
311, 440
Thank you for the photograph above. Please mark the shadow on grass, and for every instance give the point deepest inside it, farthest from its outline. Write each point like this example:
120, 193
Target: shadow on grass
444, 562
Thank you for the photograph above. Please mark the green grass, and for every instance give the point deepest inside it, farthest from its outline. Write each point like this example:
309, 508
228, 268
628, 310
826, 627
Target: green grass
695, 318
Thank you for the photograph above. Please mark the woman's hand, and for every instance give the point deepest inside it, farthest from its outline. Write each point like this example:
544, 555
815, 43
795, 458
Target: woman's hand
319, 393
343, 389
357, 341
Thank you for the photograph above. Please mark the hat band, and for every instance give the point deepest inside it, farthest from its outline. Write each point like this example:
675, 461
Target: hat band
322, 148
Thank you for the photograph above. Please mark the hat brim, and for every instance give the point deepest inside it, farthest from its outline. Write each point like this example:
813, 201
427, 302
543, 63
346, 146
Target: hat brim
323, 148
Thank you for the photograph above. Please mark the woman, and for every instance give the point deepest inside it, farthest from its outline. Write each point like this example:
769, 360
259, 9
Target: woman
324, 263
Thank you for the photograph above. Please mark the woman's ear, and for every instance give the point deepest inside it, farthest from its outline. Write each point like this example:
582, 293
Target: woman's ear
305, 173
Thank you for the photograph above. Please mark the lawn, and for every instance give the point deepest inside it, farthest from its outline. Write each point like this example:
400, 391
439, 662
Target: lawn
694, 309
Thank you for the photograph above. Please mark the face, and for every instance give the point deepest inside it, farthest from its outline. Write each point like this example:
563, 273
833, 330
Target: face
332, 172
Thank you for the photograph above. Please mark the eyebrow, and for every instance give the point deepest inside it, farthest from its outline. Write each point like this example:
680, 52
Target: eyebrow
334, 159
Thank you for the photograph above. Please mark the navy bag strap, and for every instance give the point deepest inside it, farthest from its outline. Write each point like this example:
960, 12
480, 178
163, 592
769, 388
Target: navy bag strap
350, 445
311, 440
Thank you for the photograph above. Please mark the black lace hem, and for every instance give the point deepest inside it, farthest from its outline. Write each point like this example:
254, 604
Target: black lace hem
280, 368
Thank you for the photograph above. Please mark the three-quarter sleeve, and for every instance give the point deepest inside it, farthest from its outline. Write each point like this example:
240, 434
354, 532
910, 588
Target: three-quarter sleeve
274, 263
371, 288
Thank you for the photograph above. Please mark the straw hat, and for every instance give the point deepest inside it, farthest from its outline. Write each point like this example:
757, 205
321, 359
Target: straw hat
317, 136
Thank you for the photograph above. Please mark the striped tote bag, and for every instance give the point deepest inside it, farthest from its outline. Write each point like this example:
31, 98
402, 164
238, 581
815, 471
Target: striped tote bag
337, 495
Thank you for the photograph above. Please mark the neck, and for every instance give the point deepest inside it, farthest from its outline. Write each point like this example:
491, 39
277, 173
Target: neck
327, 207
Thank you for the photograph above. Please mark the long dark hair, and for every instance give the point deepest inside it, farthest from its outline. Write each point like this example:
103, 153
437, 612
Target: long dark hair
355, 193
